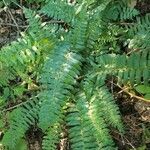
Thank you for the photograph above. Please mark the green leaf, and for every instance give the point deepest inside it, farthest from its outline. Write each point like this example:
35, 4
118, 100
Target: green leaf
147, 96
6, 92
22, 145
143, 89
2, 100
18, 90
1, 124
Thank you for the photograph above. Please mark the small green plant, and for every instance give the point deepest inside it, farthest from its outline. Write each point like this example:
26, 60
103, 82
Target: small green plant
55, 75
144, 90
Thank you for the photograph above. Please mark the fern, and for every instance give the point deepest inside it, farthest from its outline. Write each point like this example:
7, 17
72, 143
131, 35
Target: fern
57, 77
59, 10
20, 121
87, 124
50, 142
134, 68
56, 73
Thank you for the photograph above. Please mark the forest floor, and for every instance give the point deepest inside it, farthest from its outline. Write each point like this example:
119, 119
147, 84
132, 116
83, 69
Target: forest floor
135, 113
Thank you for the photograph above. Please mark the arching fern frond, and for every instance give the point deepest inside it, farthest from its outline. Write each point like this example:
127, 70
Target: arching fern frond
140, 27
81, 131
133, 68
20, 121
108, 109
59, 10
87, 122
51, 139
57, 79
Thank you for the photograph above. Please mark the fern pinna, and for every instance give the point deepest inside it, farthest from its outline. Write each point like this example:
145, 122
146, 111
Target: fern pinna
56, 73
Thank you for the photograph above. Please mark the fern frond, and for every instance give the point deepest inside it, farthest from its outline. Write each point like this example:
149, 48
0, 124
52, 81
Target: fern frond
107, 106
133, 68
141, 26
81, 131
58, 76
78, 35
87, 125
34, 20
51, 139
97, 93
104, 140
128, 13
20, 121
59, 10
95, 23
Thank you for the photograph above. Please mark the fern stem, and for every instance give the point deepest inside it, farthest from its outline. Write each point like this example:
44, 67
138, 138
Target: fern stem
131, 94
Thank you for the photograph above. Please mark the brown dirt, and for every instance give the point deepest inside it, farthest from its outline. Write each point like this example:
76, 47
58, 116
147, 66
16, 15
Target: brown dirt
143, 6
12, 22
135, 125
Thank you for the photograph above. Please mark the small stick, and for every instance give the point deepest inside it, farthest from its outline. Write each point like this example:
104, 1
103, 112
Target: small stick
11, 16
13, 107
10, 24
132, 95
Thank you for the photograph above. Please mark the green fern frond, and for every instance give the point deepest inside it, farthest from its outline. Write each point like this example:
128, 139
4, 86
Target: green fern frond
139, 33
6, 74
51, 139
20, 121
128, 13
81, 131
34, 20
87, 123
141, 26
57, 79
78, 35
107, 106
97, 93
133, 68
102, 135
59, 10
140, 41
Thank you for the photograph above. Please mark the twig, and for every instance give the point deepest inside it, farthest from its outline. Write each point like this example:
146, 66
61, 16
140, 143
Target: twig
13, 107
10, 24
55, 21
129, 143
123, 140
12, 16
135, 50
131, 94
123, 90
17, 4
125, 23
